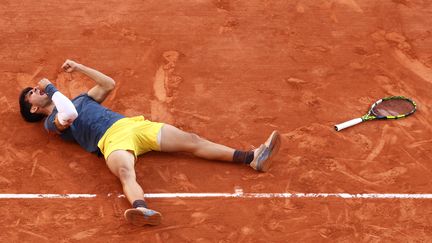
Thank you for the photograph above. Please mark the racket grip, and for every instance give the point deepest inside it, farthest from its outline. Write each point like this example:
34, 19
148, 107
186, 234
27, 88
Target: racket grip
349, 123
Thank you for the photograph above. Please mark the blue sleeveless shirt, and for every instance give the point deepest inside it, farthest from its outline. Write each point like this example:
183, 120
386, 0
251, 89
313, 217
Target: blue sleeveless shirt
91, 124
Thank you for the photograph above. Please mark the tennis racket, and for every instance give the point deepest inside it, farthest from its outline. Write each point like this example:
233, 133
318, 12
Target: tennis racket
393, 107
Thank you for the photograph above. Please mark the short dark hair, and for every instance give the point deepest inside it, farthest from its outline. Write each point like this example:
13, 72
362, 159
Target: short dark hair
25, 108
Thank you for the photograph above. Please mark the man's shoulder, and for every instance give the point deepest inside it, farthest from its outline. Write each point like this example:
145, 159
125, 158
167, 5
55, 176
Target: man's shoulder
82, 95
85, 96
82, 98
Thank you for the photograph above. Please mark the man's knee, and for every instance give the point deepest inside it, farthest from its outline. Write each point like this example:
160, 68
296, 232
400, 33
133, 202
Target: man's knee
194, 141
195, 138
125, 173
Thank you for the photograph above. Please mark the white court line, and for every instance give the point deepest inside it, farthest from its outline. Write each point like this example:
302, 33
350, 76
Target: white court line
237, 194
32, 196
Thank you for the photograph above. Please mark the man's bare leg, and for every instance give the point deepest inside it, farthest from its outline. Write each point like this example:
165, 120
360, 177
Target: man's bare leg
121, 163
176, 140
173, 139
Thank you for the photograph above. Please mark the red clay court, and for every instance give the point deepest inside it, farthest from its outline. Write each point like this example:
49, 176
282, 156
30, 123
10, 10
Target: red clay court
230, 71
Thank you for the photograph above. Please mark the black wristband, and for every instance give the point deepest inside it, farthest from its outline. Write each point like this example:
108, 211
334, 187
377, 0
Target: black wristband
50, 90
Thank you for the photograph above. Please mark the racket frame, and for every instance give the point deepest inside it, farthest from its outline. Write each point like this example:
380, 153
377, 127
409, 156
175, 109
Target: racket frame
371, 116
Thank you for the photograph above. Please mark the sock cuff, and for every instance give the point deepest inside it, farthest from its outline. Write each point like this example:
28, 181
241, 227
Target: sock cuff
139, 204
244, 157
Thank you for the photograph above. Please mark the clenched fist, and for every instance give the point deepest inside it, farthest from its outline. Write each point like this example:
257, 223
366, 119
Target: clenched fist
42, 84
70, 66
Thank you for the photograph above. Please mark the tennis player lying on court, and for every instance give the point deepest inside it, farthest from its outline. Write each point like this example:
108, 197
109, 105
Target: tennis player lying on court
121, 139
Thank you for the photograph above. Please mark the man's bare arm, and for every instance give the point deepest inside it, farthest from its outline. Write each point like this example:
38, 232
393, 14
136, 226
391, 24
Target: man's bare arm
104, 84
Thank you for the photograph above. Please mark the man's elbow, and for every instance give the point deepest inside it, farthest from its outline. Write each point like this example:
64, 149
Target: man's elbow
71, 116
68, 117
110, 84
74, 115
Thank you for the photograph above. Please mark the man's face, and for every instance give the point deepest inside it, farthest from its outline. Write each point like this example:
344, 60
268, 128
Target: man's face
37, 98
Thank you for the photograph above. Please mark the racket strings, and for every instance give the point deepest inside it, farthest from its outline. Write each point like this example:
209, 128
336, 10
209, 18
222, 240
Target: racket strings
395, 107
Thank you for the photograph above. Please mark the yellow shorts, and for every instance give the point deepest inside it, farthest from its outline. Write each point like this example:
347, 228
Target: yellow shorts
135, 134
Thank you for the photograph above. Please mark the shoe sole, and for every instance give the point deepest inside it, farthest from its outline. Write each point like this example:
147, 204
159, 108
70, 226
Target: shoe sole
273, 143
136, 217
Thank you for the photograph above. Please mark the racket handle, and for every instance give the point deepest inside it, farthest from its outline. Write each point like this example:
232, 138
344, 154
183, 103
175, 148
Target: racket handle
350, 123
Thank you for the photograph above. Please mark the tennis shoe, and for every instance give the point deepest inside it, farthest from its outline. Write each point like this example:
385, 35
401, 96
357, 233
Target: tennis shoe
142, 216
263, 155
